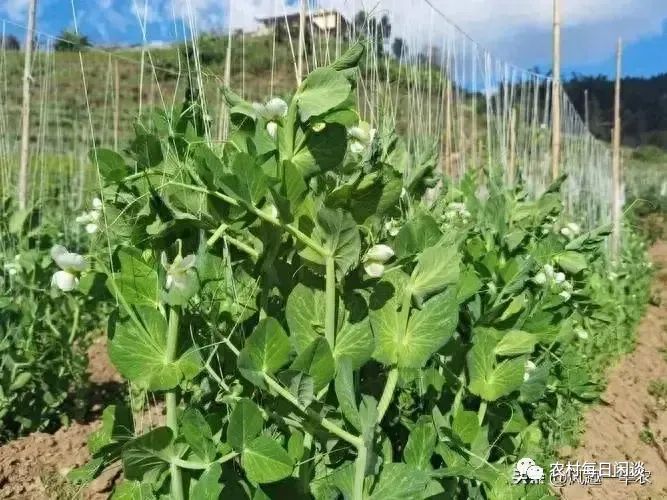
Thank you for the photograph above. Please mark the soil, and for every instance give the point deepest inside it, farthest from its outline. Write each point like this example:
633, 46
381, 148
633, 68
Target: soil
631, 422
34, 467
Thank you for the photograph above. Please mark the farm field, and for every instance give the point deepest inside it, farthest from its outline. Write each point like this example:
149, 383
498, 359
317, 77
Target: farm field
387, 274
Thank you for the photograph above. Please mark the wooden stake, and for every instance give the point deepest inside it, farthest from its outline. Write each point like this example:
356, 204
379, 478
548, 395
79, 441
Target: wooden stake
222, 119
302, 40
116, 105
586, 116
25, 108
555, 95
448, 129
616, 161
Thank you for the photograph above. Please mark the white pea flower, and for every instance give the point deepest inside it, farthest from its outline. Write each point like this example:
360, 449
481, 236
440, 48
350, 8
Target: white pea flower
12, 268
565, 295
272, 129
559, 278
581, 333
375, 259
360, 137
549, 270
90, 218
540, 278
71, 265
574, 227
97, 204
529, 368
567, 232
178, 271
567, 286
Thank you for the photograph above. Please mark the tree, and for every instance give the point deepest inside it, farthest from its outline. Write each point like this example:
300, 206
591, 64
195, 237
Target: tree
69, 41
9, 42
399, 48
376, 31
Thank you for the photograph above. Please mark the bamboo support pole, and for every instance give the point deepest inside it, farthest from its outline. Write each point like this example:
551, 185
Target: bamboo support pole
616, 160
24, 164
302, 36
555, 97
116, 106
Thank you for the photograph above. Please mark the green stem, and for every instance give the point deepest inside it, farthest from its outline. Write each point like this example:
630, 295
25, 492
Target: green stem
216, 234
387, 393
75, 323
172, 403
359, 474
330, 311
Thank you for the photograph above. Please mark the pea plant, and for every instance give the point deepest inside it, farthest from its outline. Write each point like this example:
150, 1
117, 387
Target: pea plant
316, 329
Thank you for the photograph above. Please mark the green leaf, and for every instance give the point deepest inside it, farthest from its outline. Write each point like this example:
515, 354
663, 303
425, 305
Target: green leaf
337, 231
321, 151
428, 330
400, 482
265, 461
208, 486
515, 342
117, 428
421, 445
436, 268
316, 361
136, 280
469, 284
466, 425
133, 490
346, 394
388, 332
198, 434
305, 311
515, 307
147, 150
355, 342
246, 182
245, 424
87, 472
265, 351
139, 352
147, 457
488, 381
110, 164
416, 235
351, 57
322, 90
301, 386
572, 262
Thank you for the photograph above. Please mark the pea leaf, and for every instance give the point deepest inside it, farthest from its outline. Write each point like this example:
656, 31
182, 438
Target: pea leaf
245, 424
317, 361
265, 461
147, 457
136, 280
321, 151
265, 351
139, 352
355, 342
246, 182
305, 311
345, 392
488, 381
515, 342
572, 262
416, 235
466, 425
208, 486
421, 445
198, 434
322, 90
400, 482
110, 164
436, 268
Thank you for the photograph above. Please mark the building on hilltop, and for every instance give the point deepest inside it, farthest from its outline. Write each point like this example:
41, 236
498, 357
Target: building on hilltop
321, 22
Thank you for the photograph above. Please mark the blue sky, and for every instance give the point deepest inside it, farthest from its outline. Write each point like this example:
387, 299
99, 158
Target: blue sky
515, 30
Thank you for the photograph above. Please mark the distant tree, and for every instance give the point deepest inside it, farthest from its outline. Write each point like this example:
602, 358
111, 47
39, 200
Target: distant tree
376, 31
69, 41
399, 48
9, 42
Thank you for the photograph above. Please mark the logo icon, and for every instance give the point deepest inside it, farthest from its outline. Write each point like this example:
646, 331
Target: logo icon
526, 471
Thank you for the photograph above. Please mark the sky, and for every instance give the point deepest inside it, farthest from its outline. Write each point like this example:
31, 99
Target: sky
517, 31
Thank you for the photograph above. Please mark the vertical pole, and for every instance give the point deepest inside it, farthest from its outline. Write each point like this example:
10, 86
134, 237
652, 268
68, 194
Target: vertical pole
25, 108
302, 39
586, 115
222, 119
616, 160
512, 169
116, 105
555, 95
